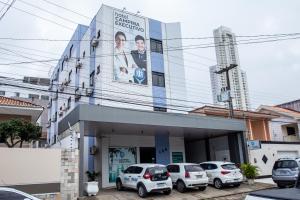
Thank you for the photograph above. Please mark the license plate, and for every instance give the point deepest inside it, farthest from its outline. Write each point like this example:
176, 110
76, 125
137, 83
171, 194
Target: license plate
236, 179
198, 176
160, 184
283, 172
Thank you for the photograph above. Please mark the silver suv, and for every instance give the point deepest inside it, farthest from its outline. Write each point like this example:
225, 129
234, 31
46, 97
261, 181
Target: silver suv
285, 171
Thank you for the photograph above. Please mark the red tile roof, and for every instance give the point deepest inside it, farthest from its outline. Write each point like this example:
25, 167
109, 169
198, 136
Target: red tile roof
5, 101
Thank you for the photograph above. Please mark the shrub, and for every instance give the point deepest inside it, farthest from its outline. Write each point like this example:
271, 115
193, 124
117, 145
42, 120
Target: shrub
249, 170
92, 175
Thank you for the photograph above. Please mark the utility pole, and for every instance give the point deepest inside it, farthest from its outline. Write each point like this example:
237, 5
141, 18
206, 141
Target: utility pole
226, 70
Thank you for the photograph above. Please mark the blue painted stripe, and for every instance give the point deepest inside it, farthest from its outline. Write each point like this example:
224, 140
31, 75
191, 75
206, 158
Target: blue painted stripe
91, 142
162, 148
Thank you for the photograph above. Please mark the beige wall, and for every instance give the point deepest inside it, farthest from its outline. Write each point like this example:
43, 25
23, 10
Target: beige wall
29, 166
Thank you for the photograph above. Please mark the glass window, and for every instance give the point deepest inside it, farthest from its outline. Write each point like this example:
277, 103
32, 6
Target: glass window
83, 54
193, 168
204, 166
158, 79
2, 93
156, 46
69, 103
291, 130
12, 195
285, 164
98, 34
160, 109
229, 166
69, 78
137, 170
92, 78
33, 96
98, 69
70, 53
44, 97
173, 168
17, 94
129, 170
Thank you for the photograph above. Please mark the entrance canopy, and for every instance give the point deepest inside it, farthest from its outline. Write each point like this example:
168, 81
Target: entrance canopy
99, 120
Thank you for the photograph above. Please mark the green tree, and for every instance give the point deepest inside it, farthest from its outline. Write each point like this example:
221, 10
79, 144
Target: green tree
17, 131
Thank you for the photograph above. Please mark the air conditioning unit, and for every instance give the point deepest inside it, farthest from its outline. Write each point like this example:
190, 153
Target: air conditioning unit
78, 64
49, 104
53, 119
60, 113
55, 96
89, 91
66, 58
94, 42
48, 124
61, 87
77, 94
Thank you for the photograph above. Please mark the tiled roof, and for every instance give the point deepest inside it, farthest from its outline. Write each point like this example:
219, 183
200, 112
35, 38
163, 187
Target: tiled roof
283, 111
5, 101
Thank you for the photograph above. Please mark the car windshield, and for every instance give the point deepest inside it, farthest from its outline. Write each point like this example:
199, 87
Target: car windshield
285, 164
229, 166
193, 168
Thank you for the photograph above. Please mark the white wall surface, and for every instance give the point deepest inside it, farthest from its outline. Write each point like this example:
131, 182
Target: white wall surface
29, 166
219, 148
272, 152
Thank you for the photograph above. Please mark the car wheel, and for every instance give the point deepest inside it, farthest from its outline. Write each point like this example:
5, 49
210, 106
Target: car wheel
119, 185
142, 191
167, 192
281, 185
180, 186
218, 183
237, 185
202, 188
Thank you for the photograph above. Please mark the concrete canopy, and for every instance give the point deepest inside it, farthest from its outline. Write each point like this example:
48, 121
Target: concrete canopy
99, 120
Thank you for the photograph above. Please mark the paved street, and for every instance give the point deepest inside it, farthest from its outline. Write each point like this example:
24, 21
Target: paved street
209, 193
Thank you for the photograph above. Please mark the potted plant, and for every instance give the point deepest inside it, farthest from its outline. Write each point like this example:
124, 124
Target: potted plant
250, 172
91, 187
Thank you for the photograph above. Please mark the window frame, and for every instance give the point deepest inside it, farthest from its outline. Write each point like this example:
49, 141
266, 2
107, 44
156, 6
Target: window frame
158, 79
156, 46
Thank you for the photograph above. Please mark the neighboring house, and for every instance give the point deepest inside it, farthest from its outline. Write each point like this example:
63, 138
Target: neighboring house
293, 105
12, 108
284, 128
257, 123
30, 89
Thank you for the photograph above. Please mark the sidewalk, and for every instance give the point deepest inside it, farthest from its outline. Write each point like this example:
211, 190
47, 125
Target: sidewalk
209, 193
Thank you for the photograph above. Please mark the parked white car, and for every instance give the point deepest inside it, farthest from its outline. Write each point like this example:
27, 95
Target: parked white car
145, 178
222, 173
13, 194
188, 175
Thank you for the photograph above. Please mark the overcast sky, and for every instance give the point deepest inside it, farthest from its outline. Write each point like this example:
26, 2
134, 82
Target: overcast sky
273, 69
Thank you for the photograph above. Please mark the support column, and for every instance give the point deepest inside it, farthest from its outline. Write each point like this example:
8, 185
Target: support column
244, 147
83, 164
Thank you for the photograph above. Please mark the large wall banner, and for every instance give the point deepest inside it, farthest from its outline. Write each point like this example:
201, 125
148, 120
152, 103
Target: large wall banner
119, 159
130, 54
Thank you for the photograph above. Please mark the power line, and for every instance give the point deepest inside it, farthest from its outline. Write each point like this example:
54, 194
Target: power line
9, 6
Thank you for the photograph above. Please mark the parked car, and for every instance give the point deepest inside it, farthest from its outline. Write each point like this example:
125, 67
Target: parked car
188, 175
222, 173
13, 194
272, 194
145, 178
285, 171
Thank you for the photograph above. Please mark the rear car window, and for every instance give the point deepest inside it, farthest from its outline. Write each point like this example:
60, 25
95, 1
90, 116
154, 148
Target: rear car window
229, 166
193, 168
285, 164
158, 173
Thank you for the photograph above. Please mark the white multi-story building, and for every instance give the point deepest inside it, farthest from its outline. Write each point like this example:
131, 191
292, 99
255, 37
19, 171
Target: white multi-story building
120, 87
227, 53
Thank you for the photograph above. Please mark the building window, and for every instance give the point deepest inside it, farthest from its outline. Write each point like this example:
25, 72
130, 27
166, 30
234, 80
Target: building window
17, 94
291, 130
2, 93
44, 97
98, 69
69, 78
82, 85
33, 96
156, 46
69, 103
92, 78
70, 53
83, 54
159, 109
158, 79
62, 65
98, 34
